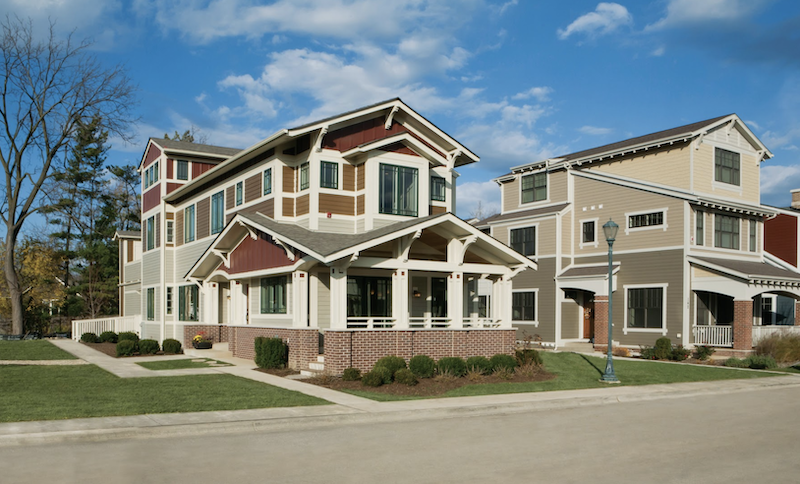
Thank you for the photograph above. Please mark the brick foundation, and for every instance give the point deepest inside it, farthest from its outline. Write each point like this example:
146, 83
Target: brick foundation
303, 343
742, 325
216, 333
797, 313
600, 322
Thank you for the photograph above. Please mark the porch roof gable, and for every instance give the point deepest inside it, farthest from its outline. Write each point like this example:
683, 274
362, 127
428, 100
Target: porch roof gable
753, 272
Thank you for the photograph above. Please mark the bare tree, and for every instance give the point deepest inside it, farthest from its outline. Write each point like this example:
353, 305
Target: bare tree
48, 87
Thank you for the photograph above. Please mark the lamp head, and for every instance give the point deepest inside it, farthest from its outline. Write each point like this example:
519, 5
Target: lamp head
610, 230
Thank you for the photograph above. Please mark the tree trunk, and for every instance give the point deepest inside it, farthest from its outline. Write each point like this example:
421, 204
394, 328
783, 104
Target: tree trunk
12, 280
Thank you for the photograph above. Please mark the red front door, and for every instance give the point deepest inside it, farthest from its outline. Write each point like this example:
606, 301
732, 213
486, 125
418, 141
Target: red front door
588, 316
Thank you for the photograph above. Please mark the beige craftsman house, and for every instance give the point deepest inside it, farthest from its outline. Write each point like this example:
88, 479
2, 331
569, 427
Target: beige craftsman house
338, 236
689, 261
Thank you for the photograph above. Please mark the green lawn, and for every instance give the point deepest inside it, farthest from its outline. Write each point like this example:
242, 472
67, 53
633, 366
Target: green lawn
38, 349
574, 371
61, 392
180, 364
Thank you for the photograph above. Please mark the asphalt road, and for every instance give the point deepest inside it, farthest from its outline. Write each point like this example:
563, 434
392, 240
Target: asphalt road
743, 437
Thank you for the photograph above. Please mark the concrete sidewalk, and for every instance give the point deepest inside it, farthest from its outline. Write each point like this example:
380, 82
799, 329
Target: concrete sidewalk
346, 408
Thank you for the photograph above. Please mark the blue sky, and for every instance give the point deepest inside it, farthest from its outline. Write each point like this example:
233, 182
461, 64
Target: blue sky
515, 81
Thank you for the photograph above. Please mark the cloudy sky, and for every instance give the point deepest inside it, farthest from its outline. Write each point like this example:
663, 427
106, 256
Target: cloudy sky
515, 81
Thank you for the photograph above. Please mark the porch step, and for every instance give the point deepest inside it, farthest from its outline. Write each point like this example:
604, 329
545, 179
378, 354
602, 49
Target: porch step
316, 366
577, 347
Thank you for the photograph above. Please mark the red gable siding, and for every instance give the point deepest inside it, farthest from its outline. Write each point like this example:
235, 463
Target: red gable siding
780, 238
171, 187
151, 197
200, 168
152, 154
253, 255
357, 134
170, 163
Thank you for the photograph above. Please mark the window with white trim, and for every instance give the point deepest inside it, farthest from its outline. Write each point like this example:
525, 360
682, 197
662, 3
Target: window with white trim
645, 307
399, 190
645, 220
753, 235
726, 166
304, 181
169, 300
329, 175
273, 295
170, 231
151, 303
589, 232
239, 193
534, 187
523, 306
151, 233
217, 212
524, 240
188, 303
188, 224
699, 232
438, 192
183, 170
726, 232
267, 181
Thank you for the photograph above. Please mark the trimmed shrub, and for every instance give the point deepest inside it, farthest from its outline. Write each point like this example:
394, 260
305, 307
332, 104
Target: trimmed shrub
89, 338
679, 353
736, 363
501, 361
372, 379
404, 376
128, 335
385, 374
761, 362
451, 365
663, 348
148, 347
392, 363
528, 356
171, 346
126, 347
422, 366
108, 337
271, 352
704, 352
647, 353
479, 364
351, 374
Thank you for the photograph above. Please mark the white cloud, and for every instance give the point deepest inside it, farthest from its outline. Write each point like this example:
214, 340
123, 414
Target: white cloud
777, 182
682, 12
752, 124
595, 131
507, 5
471, 196
541, 94
87, 18
606, 18
658, 52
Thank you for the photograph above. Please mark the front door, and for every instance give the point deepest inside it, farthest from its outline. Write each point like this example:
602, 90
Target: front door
588, 315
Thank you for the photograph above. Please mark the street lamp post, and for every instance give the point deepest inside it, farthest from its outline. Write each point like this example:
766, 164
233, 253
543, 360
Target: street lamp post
610, 231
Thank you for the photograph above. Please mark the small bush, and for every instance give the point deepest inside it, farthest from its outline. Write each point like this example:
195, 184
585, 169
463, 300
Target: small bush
385, 374
761, 362
500, 360
474, 375
126, 347
148, 347
736, 363
171, 346
784, 348
89, 338
351, 374
271, 352
663, 348
679, 353
479, 364
422, 366
372, 379
528, 370
452, 365
527, 356
704, 352
128, 335
503, 372
108, 337
404, 376
647, 353
392, 363
620, 351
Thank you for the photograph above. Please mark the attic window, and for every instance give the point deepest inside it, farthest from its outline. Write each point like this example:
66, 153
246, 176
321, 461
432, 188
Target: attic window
726, 166
534, 187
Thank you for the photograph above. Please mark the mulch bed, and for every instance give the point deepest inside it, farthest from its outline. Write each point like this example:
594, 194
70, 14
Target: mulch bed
111, 349
279, 372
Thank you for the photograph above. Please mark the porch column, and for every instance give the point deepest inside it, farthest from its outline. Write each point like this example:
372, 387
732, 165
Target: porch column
797, 313
600, 321
300, 299
400, 303
743, 324
455, 299
504, 302
338, 298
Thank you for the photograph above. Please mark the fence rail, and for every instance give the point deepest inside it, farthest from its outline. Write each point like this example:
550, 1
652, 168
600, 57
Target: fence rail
762, 332
116, 324
428, 323
713, 335
481, 323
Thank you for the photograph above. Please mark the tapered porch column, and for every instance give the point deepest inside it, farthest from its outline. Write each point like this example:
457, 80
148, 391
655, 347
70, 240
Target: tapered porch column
300, 299
743, 324
505, 302
338, 300
455, 299
400, 303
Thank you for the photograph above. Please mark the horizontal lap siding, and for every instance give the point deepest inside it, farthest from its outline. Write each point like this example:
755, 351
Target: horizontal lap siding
252, 188
288, 179
348, 177
337, 204
668, 165
203, 218
302, 205
541, 279
288, 207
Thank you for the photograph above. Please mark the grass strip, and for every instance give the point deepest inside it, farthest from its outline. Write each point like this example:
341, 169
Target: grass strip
180, 364
38, 349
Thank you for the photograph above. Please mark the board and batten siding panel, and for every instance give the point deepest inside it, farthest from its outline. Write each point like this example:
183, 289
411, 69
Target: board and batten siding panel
133, 303
323, 300
348, 177
510, 195
252, 187
288, 179
668, 165
186, 256
203, 218
541, 279
335, 204
151, 268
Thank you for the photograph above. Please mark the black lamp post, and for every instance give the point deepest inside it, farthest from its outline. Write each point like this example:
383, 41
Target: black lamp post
610, 231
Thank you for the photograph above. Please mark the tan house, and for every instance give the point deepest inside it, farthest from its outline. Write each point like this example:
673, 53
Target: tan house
689, 260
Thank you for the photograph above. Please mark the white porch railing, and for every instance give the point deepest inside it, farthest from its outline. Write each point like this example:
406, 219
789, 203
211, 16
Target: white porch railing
116, 324
370, 323
428, 323
481, 323
762, 332
713, 335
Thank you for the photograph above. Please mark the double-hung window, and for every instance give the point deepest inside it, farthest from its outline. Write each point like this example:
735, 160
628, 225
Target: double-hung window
438, 189
523, 306
267, 181
188, 224
188, 303
239, 193
524, 240
217, 212
753, 235
534, 187
399, 190
726, 232
699, 232
170, 231
588, 232
169, 300
645, 307
304, 181
273, 295
329, 175
151, 233
726, 166
183, 170
151, 303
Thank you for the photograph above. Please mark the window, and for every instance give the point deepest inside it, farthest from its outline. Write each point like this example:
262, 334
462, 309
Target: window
645, 220
369, 296
726, 232
726, 166
155, 172
534, 187
523, 306
273, 295
304, 176
239, 190
188, 224
753, 237
588, 232
183, 170
645, 307
398, 190
188, 303
169, 300
170, 231
699, 233
151, 233
524, 240
329, 175
217, 212
151, 303
267, 181
151, 175
438, 188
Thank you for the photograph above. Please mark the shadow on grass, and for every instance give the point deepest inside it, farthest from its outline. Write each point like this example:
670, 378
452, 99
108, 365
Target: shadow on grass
593, 362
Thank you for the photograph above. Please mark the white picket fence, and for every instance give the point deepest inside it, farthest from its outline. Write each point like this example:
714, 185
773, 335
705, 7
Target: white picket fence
116, 324
713, 335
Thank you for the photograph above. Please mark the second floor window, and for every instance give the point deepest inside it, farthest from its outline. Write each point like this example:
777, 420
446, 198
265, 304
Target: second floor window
438, 189
188, 224
329, 175
267, 181
588, 232
170, 231
399, 190
304, 176
645, 220
753, 235
523, 306
534, 187
726, 166
239, 193
183, 170
151, 233
699, 235
524, 240
726, 232
217, 212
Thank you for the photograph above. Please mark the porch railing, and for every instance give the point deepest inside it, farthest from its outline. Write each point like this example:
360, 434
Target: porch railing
428, 323
713, 335
763, 332
116, 324
370, 323
480, 323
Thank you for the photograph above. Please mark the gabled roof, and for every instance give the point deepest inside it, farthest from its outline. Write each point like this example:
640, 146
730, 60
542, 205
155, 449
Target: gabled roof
522, 214
749, 270
582, 271
188, 149
127, 234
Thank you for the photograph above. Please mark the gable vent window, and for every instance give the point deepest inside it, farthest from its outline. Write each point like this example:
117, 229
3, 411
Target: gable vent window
645, 220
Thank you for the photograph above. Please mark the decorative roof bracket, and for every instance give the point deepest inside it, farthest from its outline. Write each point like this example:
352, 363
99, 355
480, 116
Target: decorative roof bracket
388, 124
253, 233
699, 140
451, 159
466, 243
406, 242
515, 272
318, 143
223, 256
286, 248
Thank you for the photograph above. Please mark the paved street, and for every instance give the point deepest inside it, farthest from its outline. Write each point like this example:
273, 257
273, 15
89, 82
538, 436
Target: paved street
739, 437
